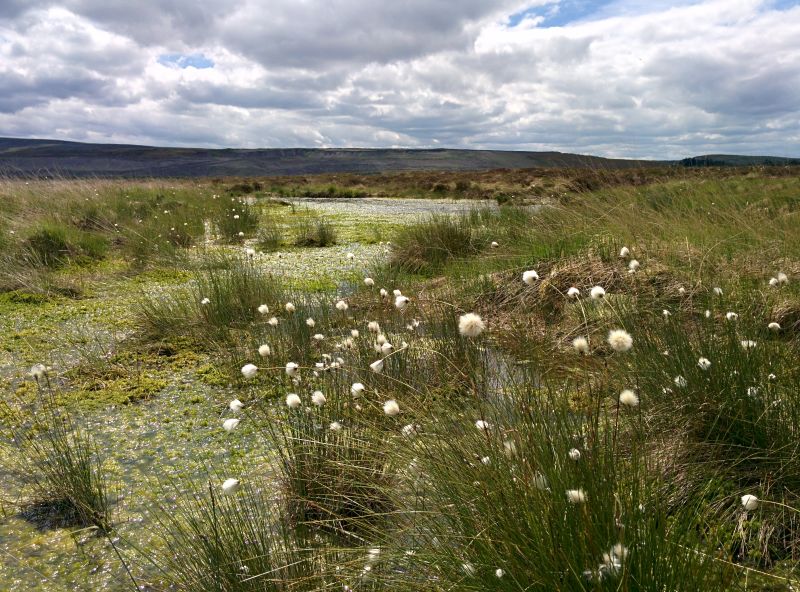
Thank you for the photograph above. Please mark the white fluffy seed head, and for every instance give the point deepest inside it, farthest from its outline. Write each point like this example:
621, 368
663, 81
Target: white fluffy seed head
628, 398
335, 426
680, 381
499, 572
470, 325
264, 350
384, 293
318, 337
290, 308
401, 302
293, 401
574, 454
205, 301
749, 502
391, 408
773, 326
718, 291
235, 405
782, 278
573, 292
620, 340
581, 345
409, 430
230, 424
482, 425
397, 293
230, 486
704, 363
495, 244
341, 305
369, 282
748, 343
263, 309
530, 276
357, 389
249, 370
576, 496
273, 322
291, 369
38, 371
774, 282
624, 252
633, 265
731, 316
597, 293
311, 322
377, 366
354, 333
374, 327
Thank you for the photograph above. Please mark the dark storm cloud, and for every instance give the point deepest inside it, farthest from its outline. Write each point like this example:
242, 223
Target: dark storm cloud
18, 92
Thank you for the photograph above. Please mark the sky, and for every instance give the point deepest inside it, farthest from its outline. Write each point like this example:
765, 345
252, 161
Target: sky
615, 78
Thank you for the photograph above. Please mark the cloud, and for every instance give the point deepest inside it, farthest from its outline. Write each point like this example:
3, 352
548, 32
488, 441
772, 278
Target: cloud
619, 78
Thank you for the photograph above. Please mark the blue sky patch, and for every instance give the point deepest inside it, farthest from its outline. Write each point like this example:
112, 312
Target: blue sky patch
565, 12
179, 60
560, 13
785, 4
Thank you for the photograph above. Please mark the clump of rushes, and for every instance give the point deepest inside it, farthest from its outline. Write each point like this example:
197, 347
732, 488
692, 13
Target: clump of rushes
314, 232
59, 463
226, 293
235, 220
334, 464
739, 413
239, 541
592, 520
428, 246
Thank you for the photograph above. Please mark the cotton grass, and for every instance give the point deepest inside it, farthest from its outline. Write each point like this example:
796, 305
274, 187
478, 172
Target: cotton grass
470, 325
620, 340
230, 424
581, 345
391, 408
750, 502
576, 496
230, 486
628, 398
249, 370
530, 276
597, 293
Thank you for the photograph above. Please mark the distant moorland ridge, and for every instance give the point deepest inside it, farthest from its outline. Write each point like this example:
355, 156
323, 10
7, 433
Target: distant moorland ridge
37, 157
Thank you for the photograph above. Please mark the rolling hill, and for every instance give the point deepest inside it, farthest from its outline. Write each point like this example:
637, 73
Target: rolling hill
37, 157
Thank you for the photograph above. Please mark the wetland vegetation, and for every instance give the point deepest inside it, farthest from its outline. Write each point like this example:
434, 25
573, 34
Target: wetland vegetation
507, 380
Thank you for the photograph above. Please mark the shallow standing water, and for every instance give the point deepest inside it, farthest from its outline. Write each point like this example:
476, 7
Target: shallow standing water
150, 445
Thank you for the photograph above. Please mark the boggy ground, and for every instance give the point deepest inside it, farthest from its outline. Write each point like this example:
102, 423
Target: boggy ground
507, 439
151, 406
